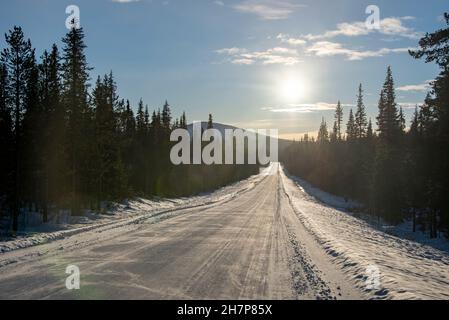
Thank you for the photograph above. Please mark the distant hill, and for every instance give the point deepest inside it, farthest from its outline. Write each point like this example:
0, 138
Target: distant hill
222, 127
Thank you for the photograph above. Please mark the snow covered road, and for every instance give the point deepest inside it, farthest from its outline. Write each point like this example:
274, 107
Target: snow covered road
257, 244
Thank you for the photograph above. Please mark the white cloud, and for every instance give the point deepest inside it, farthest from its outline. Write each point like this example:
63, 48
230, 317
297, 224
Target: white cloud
231, 51
277, 55
285, 38
243, 61
306, 107
392, 26
327, 48
409, 105
219, 3
268, 9
422, 87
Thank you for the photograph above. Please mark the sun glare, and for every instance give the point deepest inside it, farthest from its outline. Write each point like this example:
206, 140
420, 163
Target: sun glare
291, 89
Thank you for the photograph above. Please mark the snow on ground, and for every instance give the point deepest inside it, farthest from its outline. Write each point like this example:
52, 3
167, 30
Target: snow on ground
131, 211
407, 269
403, 230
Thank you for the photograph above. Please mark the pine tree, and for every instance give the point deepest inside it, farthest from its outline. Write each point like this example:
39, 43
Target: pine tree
75, 77
323, 133
388, 118
53, 132
33, 122
110, 175
338, 121
166, 117
334, 134
434, 47
183, 121
414, 126
17, 61
6, 143
351, 128
361, 122
401, 120
147, 119
388, 191
370, 131
130, 123
210, 123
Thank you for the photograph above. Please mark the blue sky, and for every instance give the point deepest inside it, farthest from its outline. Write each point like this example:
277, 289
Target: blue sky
256, 64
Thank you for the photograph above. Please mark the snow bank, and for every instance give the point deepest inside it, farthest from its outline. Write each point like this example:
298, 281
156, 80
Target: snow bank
407, 269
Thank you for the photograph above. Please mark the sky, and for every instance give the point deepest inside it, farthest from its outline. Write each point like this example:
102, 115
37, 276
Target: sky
257, 64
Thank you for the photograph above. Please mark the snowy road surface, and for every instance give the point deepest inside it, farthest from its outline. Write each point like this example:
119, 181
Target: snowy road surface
258, 244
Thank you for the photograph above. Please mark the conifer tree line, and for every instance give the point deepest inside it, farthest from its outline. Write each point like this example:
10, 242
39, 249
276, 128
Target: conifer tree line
396, 170
67, 145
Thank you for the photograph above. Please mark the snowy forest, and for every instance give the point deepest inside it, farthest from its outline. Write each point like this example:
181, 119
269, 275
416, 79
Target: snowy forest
396, 169
67, 144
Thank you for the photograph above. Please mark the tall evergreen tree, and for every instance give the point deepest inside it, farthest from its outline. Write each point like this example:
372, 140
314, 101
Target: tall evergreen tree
361, 123
388, 191
323, 133
183, 121
75, 77
370, 131
53, 130
6, 143
351, 127
338, 121
166, 117
401, 120
17, 59
110, 175
210, 122
388, 118
434, 47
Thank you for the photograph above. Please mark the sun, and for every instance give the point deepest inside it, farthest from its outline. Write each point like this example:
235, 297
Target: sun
291, 89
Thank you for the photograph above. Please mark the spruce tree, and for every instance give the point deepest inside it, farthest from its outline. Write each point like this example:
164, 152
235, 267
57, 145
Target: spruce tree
323, 133
434, 47
388, 118
351, 127
210, 122
338, 121
166, 117
52, 146
361, 122
75, 77
183, 121
370, 131
388, 190
401, 120
6, 143
17, 61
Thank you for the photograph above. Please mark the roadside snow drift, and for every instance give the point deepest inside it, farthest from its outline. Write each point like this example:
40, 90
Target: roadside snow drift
408, 270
